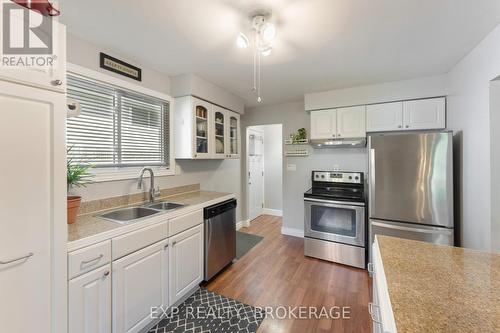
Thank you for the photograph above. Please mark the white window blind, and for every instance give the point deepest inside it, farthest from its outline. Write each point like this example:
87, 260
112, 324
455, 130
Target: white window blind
116, 127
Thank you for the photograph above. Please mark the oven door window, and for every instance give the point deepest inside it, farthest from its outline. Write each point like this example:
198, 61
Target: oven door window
334, 220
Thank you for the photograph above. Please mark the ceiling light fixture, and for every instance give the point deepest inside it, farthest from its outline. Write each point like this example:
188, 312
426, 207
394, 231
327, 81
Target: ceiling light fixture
242, 41
263, 34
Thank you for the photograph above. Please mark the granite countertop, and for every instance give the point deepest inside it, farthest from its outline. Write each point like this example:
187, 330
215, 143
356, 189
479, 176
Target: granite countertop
436, 288
88, 225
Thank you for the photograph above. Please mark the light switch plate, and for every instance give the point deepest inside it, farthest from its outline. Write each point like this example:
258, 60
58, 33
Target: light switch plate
291, 167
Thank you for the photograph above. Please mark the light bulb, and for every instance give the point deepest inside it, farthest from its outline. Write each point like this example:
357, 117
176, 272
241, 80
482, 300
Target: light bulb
267, 51
268, 32
242, 41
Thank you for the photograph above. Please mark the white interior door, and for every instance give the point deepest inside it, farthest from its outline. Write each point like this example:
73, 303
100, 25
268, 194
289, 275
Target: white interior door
255, 153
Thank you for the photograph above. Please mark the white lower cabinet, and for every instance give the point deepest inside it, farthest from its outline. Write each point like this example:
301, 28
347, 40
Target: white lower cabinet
140, 282
90, 302
186, 262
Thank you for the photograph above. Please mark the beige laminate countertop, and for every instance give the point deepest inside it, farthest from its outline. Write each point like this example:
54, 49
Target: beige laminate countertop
435, 288
89, 225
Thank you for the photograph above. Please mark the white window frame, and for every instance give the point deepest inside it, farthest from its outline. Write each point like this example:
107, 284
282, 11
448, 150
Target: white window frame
123, 173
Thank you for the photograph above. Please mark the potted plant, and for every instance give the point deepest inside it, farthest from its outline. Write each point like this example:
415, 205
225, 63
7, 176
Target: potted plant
78, 175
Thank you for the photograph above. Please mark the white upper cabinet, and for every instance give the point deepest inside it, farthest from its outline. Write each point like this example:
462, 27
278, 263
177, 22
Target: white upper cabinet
338, 123
384, 117
323, 124
425, 114
219, 131
351, 122
205, 131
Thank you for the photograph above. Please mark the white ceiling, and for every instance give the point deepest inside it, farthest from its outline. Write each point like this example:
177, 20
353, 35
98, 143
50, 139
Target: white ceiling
321, 44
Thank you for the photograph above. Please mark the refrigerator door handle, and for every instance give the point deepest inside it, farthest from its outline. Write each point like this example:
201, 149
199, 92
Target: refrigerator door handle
431, 230
372, 183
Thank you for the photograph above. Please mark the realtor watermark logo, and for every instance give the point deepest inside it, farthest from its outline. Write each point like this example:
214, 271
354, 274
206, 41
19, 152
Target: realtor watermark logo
27, 37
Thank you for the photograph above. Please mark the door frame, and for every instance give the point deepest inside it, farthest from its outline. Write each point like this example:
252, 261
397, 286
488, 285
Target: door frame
247, 170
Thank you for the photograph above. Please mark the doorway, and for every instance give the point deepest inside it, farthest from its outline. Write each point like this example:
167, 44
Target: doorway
265, 170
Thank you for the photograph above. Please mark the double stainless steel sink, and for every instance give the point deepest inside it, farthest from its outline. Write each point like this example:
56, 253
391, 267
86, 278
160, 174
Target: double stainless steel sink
134, 214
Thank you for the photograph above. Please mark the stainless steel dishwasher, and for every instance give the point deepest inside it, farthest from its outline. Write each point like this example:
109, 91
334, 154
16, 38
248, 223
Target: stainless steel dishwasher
220, 236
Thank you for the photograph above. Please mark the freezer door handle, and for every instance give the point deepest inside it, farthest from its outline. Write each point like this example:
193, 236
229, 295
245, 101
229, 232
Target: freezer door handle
430, 230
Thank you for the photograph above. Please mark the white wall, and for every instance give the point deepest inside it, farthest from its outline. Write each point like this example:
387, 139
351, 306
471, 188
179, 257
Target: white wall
83, 53
383, 92
213, 175
495, 163
273, 167
190, 84
468, 113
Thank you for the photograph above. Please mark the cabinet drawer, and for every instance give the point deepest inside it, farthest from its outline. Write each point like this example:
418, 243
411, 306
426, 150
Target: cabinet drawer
136, 240
185, 222
86, 259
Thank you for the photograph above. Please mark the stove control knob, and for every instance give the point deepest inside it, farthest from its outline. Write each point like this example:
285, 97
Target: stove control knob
356, 177
350, 177
322, 176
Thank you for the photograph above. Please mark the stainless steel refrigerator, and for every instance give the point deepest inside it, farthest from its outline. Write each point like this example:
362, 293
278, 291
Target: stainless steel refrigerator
411, 186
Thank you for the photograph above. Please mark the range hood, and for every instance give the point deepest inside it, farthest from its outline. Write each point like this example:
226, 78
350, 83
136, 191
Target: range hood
339, 143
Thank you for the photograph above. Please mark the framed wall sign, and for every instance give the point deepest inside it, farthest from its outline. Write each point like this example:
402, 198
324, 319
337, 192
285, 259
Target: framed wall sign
120, 67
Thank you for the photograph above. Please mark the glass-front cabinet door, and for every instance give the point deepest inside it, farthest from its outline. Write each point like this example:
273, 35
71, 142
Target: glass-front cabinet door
202, 129
234, 135
220, 132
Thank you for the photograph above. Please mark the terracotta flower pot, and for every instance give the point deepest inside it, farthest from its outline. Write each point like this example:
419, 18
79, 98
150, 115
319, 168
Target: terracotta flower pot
73, 207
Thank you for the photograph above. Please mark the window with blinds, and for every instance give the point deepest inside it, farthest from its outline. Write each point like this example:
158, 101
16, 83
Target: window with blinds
116, 127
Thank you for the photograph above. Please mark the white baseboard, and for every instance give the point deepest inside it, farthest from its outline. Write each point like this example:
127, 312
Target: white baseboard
292, 232
273, 212
242, 224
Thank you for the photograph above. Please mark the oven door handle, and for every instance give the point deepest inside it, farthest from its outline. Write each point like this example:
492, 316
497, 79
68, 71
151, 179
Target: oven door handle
336, 203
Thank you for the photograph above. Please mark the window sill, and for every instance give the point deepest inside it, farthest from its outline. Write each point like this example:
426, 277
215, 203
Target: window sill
114, 174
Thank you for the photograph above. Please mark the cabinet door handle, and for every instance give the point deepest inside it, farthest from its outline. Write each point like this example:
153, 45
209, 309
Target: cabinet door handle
333, 135
106, 274
85, 262
407, 126
165, 247
26, 257
371, 311
339, 135
173, 243
370, 268
56, 82
399, 126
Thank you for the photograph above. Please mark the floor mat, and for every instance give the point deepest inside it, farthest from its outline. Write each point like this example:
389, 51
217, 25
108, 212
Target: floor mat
208, 312
245, 242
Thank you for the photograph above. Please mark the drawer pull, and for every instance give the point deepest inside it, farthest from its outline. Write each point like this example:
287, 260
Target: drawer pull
26, 257
56, 82
371, 311
370, 268
86, 262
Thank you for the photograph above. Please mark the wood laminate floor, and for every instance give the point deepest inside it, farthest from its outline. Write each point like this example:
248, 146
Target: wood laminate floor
276, 273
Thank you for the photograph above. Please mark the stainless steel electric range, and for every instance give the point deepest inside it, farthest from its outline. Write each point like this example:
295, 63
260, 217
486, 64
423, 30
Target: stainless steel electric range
334, 223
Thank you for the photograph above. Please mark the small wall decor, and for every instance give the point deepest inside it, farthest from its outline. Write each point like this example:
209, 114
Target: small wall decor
120, 67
